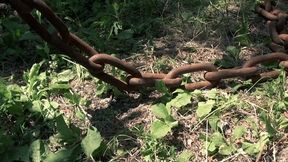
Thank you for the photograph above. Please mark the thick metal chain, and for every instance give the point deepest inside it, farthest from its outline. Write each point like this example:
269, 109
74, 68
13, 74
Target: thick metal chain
70, 44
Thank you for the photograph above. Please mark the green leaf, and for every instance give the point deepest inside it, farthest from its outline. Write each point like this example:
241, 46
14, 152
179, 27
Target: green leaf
34, 71
80, 114
214, 122
91, 142
36, 106
65, 76
65, 132
58, 86
35, 151
159, 129
161, 111
204, 108
250, 148
268, 123
212, 148
54, 104
63, 155
212, 94
217, 139
254, 148
181, 100
226, 150
161, 87
233, 50
238, 132
185, 156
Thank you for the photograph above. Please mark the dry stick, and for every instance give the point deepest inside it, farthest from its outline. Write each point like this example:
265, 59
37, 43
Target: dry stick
274, 152
206, 141
231, 157
260, 154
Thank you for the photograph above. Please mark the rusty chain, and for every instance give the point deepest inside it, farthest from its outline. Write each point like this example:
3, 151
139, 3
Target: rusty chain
71, 45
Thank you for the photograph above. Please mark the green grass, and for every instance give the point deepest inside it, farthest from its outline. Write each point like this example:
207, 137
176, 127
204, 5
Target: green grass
52, 109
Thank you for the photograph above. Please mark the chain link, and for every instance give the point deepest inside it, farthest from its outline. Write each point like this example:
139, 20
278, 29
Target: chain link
71, 45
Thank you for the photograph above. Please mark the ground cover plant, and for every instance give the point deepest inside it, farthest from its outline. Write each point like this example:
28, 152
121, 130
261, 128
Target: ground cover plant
52, 109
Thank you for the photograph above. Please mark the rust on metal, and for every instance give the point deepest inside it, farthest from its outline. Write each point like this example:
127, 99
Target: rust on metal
230, 73
73, 46
193, 68
49, 15
273, 32
189, 69
276, 47
102, 59
278, 56
150, 79
81, 44
200, 85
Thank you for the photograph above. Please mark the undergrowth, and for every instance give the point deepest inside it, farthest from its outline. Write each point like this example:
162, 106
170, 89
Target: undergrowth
44, 119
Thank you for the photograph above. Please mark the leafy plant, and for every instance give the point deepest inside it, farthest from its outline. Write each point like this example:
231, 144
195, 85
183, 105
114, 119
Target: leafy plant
231, 59
165, 122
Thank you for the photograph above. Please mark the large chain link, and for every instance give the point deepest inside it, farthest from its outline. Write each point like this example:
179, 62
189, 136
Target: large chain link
70, 44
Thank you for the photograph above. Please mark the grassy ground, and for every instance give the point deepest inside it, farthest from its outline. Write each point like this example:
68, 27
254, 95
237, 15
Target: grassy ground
58, 112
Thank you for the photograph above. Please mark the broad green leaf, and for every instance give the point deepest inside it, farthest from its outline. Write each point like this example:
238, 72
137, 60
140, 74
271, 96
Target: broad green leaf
181, 100
35, 151
65, 132
91, 142
161, 111
80, 114
14, 88
36, 106
233, 50
185, 156
57, 86
63, 155
204, 108
54, 104
24, 98
226, 150
212, 148
34, 71
159, 129
172, 122
250, 148
264, 139
214, 122
283, 122
217, 139
254, 148
238, 132
42, 76
65, 76
212, 94
268, 123
161, 87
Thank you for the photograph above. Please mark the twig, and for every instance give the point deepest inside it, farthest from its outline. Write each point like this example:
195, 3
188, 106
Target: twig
260, 154
231, 157
206, 140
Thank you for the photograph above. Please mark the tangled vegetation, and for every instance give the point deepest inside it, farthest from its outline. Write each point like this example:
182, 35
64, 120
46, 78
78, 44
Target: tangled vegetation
52, 109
